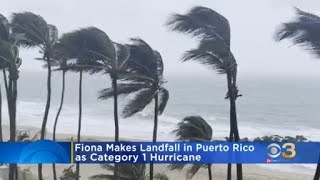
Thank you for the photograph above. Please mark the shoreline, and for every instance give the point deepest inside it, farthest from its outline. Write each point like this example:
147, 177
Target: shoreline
251, 171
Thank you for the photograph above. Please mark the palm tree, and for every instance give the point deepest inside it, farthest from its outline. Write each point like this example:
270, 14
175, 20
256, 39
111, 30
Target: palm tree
116, 67
61, 62
193, 129
3, 34
44, 36
303, 31
213, 32
128, 172
85, 46
147, 65
9, 58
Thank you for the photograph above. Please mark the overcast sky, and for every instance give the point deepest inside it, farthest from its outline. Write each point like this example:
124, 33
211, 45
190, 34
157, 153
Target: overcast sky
253, 23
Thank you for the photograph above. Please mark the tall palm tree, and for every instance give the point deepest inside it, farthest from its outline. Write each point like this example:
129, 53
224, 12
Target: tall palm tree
128, 172
38, 33
213, 32
9, 58
3, 34
116, 67
61, 62
193, 129
1, 139
303, 31
85, 46
147, 65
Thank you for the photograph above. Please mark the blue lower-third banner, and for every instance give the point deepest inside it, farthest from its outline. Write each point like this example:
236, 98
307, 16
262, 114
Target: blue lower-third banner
46, 151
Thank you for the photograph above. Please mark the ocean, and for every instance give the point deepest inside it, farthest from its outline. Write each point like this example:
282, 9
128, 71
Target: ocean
270, 105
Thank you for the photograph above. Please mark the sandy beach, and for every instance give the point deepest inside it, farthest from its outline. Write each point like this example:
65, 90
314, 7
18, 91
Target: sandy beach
251, 172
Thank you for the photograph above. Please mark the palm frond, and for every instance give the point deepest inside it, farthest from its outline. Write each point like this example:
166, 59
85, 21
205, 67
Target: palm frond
88, 44
205, 58
305, 16
193, 128
135, 77
303, 31
176, 166
85, 66
122, 56
160, 176
160, 65
123, 89
53, 35
34, 28
139, 102
143, 59
163, 99
193, 170
4, 28
203, 22
7, 55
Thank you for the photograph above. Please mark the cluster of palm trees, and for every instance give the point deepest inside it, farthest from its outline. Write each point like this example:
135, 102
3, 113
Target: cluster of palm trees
134, 68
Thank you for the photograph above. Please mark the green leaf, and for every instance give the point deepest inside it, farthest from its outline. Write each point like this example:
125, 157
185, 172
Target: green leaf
163, 99
123, 89
139, 102
4, 28
34, 28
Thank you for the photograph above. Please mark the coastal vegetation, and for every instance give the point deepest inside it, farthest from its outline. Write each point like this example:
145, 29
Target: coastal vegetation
193, 129
212, 30
303, 31
135, 70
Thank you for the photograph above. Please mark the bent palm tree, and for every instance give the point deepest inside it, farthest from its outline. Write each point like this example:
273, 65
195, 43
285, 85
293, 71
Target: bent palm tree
82, 45
213, 31
147, 64
38, 33
128, 172
142, 69
303, 31
9, 58
194, 129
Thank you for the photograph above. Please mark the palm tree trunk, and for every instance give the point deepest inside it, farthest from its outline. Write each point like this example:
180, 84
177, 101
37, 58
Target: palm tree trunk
11, 89
231, 138
6, 83
317, 174
115, 109
79, 121
155, 129
229, 169
57, 117
1, 138
46, 111
9, 103
209, 172
116, 120
47, 108
233, 118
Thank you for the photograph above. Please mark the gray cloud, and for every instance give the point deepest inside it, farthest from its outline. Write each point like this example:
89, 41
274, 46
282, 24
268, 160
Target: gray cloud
252, 24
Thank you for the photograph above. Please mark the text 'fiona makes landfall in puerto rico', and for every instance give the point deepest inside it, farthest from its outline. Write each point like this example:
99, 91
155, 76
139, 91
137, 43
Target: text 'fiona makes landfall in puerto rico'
147, 152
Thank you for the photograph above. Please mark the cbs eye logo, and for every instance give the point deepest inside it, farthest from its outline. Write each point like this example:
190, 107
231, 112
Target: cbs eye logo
287, 150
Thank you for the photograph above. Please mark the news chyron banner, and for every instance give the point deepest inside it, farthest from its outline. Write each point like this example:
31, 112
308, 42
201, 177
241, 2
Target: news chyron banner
46, 151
